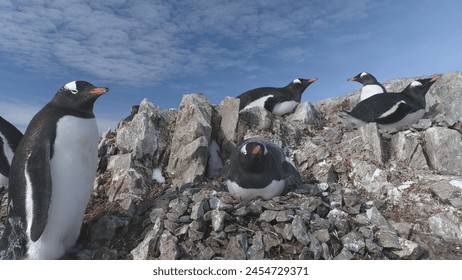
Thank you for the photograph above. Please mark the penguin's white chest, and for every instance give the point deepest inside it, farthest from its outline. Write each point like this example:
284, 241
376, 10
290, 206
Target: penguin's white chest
370, 90
284, 107
73, 168
275, 188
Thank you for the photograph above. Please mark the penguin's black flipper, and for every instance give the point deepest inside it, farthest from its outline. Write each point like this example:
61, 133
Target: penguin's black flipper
292, 175
4, 164
38, 170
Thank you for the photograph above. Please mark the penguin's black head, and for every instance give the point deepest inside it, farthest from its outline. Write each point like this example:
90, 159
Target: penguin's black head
253, 156
299, 85
79, 96
135, 109
420, 87
364, 78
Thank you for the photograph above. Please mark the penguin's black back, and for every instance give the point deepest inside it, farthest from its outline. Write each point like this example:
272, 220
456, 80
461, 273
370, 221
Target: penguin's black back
282, 94
381, 103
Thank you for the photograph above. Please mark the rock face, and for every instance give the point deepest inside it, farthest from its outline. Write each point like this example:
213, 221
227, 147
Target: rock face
190, 141
367, 194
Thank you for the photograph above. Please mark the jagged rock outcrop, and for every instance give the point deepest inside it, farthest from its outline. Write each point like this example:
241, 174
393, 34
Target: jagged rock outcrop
368, 194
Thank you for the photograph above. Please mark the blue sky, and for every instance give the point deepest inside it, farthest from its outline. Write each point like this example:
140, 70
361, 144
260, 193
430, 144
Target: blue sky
161, 50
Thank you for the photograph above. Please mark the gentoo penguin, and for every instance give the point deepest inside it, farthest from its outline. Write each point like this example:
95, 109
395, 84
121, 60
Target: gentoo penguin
52, 175
135, 109
259, 168
392, 111
370, 85
9, 141
279, 101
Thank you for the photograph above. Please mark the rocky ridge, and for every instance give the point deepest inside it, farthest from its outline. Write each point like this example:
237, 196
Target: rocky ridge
367, 194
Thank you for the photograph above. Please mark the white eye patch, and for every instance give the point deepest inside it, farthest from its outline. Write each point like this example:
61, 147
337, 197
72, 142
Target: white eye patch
72, 86
363, 74
416, 84
297, 81
244, 149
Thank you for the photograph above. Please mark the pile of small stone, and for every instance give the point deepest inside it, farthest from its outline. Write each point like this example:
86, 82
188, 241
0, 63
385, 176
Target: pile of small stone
314, 221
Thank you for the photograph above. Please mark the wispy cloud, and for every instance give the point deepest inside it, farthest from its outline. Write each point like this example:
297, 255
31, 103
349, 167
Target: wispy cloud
136, 41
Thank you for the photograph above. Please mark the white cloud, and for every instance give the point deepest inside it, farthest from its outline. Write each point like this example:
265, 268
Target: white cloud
136, 41
17, 112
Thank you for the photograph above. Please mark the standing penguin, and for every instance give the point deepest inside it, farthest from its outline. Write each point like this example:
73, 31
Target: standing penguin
393, 111
258, 168
9, 141
279, 101
370, 85
52, 175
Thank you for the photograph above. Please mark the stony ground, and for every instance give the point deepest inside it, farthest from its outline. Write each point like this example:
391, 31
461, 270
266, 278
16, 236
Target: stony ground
368, 194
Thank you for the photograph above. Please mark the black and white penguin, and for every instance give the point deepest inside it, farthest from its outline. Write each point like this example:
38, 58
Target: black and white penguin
51, 176
392, 111
279, 101
135, 109
370, 85
259, 168
9, 141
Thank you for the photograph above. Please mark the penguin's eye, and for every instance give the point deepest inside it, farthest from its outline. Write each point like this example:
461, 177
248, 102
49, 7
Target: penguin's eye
74, 91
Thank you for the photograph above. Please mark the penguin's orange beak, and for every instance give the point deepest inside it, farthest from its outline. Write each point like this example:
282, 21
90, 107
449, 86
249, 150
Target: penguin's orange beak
256, 150
99, 90
312, 80
434, 79
351, 79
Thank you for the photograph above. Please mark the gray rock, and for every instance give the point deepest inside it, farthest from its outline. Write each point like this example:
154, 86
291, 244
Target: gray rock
354, 242
403, 229
350, 196
285, 216
373, 248
410, 250
406, 148
446, 94
444, 150
448, 192
229, 113
119, 164
206, 254
284, 230
316, 249
307, 114
146, 134
257, 250
322, 235
270, 240
149, 243
237, 247
168, 247
199, 209
218, 220
269, 215
345, 254
179, 205
190, 140
371, 137
387, 239
104, 229
128, 190
300, 231
446, 226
